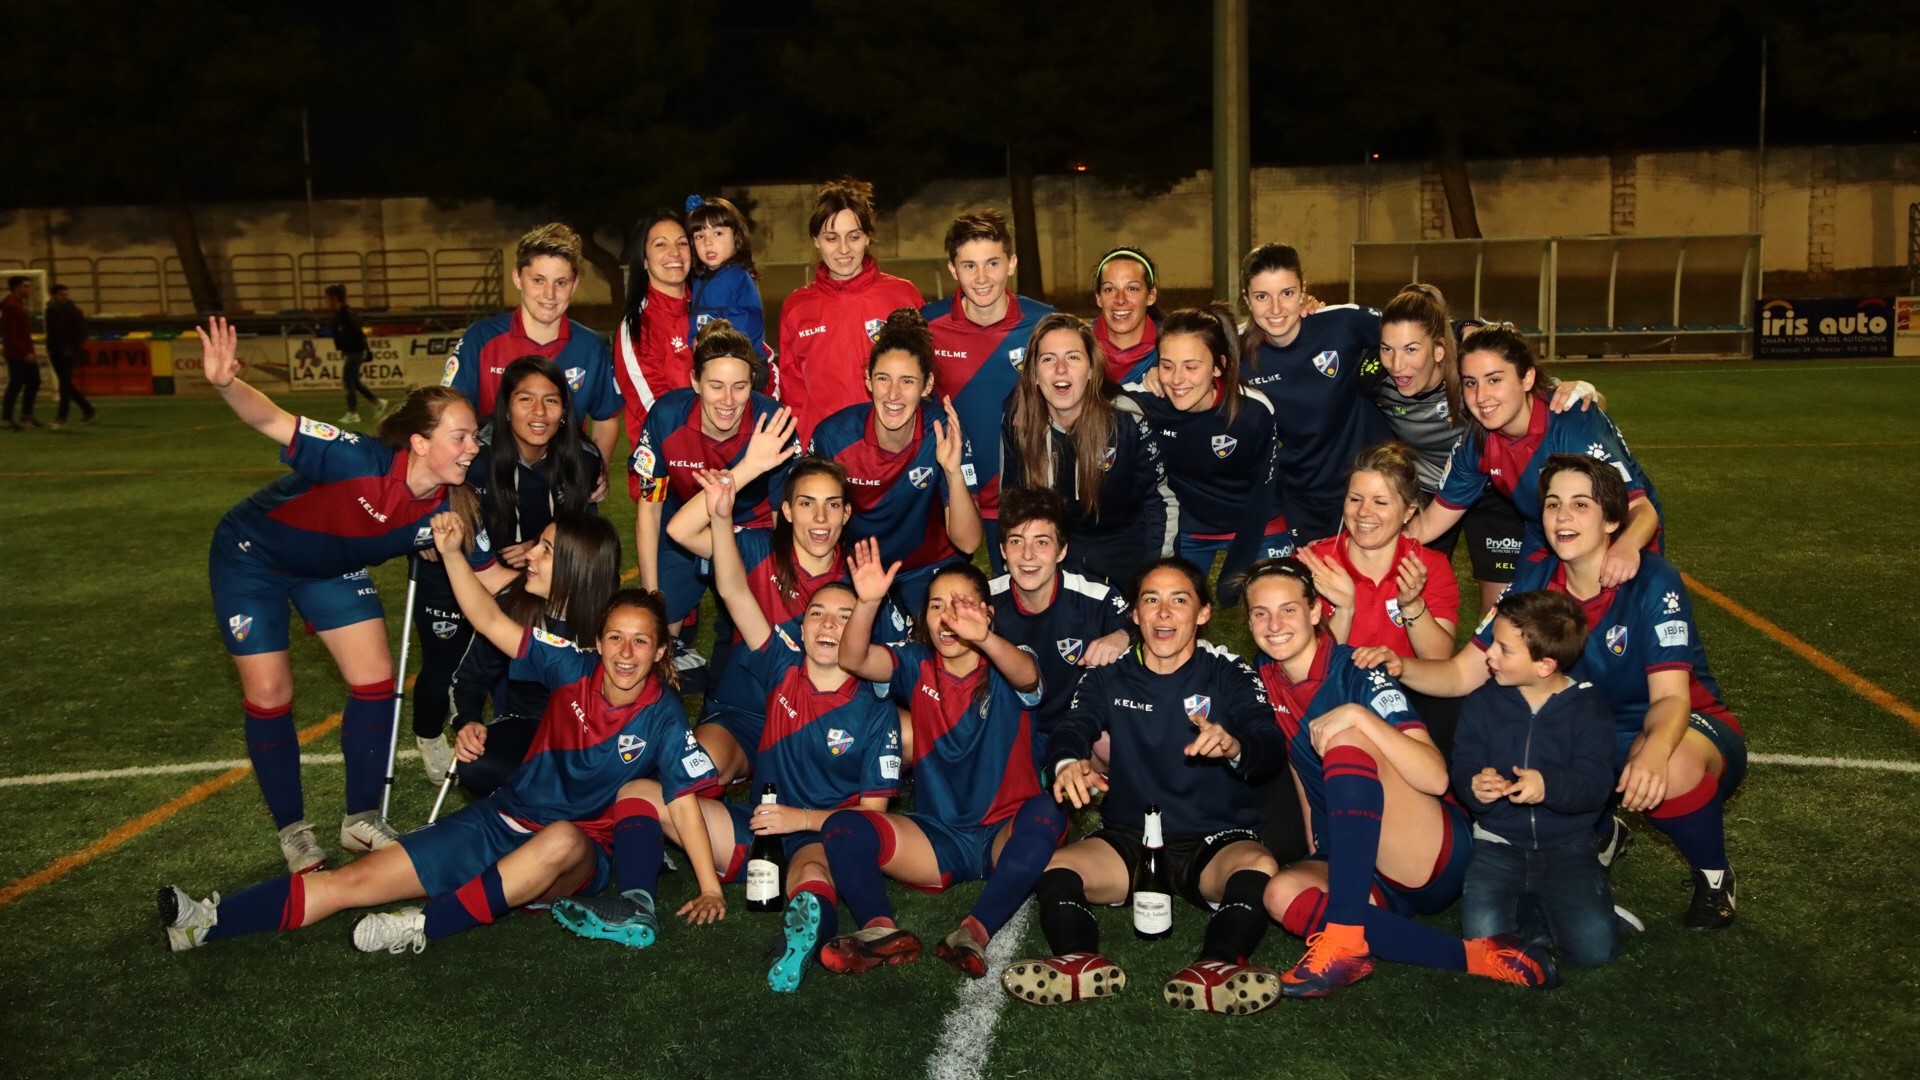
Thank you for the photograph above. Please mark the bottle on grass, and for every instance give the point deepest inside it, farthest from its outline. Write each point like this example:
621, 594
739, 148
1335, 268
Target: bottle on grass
1152, 885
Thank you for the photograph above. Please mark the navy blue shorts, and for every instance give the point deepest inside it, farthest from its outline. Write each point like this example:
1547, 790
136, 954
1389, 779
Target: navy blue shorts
964, 854
745, 727
455, 850
1725, 738
681, 579
250, 598
1449, 872
743, 836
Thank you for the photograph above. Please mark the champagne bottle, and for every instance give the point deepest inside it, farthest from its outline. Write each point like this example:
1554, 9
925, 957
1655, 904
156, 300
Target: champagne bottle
766, 861
1152, 885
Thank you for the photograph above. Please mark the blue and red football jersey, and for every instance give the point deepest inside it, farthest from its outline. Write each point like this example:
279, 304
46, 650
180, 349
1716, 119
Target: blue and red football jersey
1643, 625
491, 344
821, 749
585, 749
978, 367
1080, 612
898, 499
1150, 719
1323, 415
671, 448
1513, 466
1334, 681
345, 506
972, 763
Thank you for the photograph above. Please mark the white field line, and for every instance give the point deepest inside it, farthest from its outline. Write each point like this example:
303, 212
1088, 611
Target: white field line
966, 1039
37, 779
1881, 764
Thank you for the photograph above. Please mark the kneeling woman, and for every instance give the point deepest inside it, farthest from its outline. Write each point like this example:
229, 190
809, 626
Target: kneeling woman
536, 837
1374, 790
979, 809
827, 740
1680, 751
1190, 735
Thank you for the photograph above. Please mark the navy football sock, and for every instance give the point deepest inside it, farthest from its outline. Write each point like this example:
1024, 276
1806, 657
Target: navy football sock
278, 904
366, 734
1066, 917
1237, 925
479, 901
1037, 829
274, 748
1404, 941
829, 908
637, 846
1354, 803
855, 852
1694, 822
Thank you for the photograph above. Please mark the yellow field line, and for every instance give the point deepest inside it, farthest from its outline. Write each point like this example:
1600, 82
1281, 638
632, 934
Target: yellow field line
1840, 672
132, 827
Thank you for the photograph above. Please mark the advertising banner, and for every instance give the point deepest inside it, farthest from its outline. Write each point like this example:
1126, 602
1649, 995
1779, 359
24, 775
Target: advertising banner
1906, 326
397, 362
1821, 328
115, 369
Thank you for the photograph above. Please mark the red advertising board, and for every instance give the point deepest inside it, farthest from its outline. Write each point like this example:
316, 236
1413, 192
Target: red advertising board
115, 369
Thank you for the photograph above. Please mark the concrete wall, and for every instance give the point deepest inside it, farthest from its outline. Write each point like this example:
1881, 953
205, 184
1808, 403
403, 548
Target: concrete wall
1827, 210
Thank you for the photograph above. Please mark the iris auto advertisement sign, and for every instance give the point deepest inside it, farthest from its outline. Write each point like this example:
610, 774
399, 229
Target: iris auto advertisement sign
1823, 327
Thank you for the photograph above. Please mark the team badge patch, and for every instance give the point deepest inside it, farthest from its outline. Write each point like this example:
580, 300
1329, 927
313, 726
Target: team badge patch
1223, 445
1016, 357
838, 741
314, 429
1327, 363
423, 536
1108, 457
630, 747
444, 628
239, 626
1393, 611
576, 378
873, 328
918, 475
1071, 649
1617, 640
1198, 708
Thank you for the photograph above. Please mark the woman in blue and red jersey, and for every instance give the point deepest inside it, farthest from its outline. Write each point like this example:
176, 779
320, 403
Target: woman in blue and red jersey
1380, 823
1128, 329
307, 538
911, 471
828, 325
1680, 751
613, 718
980, 811
1068, 428
717, 423
825, 739
1511, 432
1217, 437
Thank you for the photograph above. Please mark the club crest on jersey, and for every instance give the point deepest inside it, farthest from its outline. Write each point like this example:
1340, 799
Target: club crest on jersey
315, 429
1223, 445
444, 628
918, 475
1393, 611
838, 741
631, 747
1070, 649
1198, 708
576, 378
423, 536
239, 626
1108, 457
1617, 640
1017, 357
1327, 363
873, 328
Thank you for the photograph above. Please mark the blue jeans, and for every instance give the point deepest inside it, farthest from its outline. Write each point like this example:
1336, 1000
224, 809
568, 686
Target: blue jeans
1558, 892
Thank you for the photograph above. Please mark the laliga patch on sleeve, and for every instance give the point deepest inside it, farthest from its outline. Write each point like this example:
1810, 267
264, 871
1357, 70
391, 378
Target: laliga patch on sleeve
697, 763
1388, 702
1671, 633
551, 639
452, 370
890, 767
314, 429
1486, 620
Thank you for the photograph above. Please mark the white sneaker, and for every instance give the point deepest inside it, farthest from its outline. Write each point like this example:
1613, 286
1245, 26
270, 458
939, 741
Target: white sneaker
436, 755
302, 850
187, 920
392, 931
366, 831
350, 418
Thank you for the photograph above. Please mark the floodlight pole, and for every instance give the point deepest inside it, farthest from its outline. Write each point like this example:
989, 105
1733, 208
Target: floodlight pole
1232, 153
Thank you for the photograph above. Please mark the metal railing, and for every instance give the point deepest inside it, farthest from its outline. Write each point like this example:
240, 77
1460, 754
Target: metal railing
1631, 293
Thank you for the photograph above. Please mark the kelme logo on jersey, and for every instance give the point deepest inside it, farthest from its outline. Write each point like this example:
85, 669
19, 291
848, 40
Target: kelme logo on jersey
1617, 640
1108, 457
630, 747
239, 625
1327, 363
1223, 445
576, 378
1198, 708
838, 741
1070, 649
873, 328
1672, 602
918, 475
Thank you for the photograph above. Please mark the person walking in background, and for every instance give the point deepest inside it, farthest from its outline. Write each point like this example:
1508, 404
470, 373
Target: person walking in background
351, 342
23, 368
66, 345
